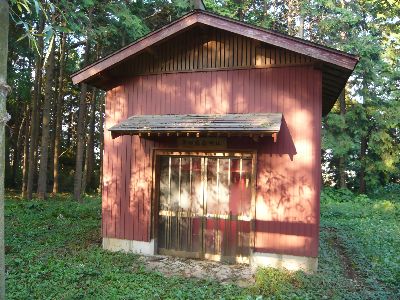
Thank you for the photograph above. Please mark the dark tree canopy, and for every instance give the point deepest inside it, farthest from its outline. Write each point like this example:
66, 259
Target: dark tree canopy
361, 135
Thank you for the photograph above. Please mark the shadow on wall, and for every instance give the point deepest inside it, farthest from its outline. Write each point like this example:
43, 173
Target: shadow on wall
287, 211
265, 145
284, 144
285, 195
286, 216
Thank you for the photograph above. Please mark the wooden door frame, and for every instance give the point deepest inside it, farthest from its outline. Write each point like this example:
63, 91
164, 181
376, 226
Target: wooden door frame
218, 153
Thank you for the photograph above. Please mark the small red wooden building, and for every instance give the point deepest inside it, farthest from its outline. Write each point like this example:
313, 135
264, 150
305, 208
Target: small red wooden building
212, 141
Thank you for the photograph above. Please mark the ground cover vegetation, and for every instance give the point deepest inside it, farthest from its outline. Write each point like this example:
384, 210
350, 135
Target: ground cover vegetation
54, 252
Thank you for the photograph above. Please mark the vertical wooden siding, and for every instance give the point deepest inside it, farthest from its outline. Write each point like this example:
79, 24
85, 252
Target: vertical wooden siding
210, 48
288, 172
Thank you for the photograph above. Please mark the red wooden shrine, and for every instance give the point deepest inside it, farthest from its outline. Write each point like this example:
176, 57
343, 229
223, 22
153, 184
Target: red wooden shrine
212, 141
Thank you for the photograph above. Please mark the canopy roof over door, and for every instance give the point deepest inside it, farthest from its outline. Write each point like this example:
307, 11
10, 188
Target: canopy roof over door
254, 125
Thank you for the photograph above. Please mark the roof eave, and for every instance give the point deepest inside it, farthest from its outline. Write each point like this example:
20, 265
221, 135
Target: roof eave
135, 47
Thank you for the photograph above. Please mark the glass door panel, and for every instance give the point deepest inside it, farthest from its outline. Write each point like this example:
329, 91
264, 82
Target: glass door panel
180, 207
205, 206
228, 203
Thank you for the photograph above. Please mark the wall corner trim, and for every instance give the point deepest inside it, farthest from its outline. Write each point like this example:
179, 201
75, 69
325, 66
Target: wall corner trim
138, 247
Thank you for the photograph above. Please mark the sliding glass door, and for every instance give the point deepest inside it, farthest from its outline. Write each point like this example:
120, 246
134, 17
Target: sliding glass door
205, 206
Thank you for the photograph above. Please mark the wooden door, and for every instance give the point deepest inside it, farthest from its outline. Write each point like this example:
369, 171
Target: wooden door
180, 206
205, 206
227, 208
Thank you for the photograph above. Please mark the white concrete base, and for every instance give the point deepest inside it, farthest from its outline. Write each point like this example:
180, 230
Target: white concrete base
257, 259
145, 248
289, 262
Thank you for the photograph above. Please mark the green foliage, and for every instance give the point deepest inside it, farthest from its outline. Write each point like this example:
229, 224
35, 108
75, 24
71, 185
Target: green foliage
274, 283
390, 191
363, 27
369, 230
331, 195
53, 250
267, 14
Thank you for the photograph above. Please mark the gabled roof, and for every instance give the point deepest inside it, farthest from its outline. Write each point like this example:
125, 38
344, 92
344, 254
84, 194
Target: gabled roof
336, 65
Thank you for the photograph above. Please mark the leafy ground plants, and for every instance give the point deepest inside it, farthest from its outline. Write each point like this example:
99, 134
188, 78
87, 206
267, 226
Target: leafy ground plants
53, 251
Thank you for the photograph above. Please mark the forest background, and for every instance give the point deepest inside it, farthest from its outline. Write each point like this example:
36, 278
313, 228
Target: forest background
54, 137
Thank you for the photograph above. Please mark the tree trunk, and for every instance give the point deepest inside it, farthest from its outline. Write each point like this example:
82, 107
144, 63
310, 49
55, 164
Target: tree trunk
58, 125
363, 153
90, 151
26, 154
26, 150
197, 4
101, 132
300, 31
342, 159
364, 135
89, 157
289, 17
342, 102
342, 173
8, 142
80, 147
17, 150
34, 112
80, 132
70, 122
45, 143
240, 11
52, 124
265, 11
4, 90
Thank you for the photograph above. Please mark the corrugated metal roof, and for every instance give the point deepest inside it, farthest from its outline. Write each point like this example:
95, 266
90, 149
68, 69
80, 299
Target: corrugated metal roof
209, 124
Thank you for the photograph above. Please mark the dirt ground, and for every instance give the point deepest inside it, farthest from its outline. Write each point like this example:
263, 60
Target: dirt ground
239, 274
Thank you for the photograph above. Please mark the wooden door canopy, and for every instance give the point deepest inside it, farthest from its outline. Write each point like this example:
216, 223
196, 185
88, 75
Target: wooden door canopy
254, 125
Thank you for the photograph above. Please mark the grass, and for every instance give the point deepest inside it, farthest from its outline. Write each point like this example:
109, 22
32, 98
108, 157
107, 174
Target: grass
53, 251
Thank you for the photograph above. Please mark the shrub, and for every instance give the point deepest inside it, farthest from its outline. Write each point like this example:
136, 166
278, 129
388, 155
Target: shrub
332, 195
390, 191
274, 283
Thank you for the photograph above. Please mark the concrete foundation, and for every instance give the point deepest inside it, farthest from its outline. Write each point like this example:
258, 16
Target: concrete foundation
289, 262
257, 259
145, 248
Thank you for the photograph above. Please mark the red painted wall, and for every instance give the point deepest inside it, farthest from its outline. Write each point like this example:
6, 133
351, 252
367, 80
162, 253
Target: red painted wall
288, 172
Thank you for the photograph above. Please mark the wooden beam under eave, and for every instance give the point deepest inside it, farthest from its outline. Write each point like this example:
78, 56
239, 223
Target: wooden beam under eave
275, 137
